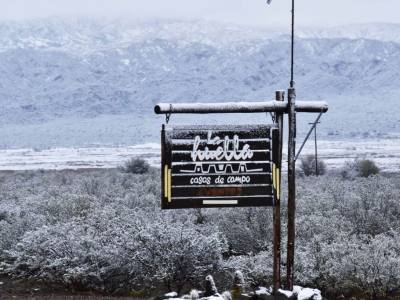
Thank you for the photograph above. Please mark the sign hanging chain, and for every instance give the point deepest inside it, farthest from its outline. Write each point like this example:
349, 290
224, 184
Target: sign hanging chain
168, 115
272, 117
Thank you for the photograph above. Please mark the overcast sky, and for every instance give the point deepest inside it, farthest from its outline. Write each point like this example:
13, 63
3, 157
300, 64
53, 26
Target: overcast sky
250, 12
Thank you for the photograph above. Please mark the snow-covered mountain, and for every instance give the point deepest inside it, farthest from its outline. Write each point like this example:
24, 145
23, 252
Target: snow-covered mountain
85, 36
75, 82
387, 32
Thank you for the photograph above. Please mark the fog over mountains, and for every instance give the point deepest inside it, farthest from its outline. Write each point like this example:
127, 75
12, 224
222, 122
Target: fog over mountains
84, 82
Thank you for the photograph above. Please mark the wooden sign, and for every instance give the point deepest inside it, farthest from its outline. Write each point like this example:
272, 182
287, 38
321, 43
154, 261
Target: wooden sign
219, 166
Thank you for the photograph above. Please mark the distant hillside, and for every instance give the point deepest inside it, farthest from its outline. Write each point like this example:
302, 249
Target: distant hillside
78, 82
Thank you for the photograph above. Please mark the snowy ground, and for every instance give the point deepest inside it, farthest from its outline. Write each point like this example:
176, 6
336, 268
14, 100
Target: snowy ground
76, 158
385, 152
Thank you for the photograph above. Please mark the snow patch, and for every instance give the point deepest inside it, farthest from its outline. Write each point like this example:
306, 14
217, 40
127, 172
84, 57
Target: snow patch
263, 291
171, 295
126, 61
288, 294
308, 294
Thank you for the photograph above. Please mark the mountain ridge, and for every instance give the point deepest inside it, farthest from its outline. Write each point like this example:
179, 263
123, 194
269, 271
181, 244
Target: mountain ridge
85, 70
71, 33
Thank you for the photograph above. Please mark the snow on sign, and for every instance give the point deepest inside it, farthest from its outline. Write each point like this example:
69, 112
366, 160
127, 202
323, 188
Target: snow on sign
219, 166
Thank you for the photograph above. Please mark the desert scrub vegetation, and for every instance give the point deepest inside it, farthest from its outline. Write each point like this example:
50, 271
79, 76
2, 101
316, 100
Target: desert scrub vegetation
104, 230
136, 166
311, 167
366, 168
360, 168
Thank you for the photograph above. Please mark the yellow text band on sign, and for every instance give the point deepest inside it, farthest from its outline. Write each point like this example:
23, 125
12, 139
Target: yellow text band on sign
169, 184
276, 180
166, 181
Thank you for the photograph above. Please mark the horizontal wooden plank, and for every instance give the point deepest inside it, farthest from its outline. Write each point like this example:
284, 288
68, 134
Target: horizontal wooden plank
187, 145
221, 168
214, 135
204, 191
204, 179
240, 127
186, 156
199, 203
230, 185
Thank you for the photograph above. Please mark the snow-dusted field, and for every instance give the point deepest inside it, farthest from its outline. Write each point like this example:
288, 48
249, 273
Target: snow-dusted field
385, 152
76, 158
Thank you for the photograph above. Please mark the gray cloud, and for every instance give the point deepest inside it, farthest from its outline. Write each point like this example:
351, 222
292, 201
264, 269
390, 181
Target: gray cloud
251, 12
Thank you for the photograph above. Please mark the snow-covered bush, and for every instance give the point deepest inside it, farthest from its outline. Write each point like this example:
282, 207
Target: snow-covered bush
104, 230
346, 234
80, 252
101, 230
360, 168
257, 269
247, 230
365, 263
136, 166
176, 253
111, 249
366, 168
308, 166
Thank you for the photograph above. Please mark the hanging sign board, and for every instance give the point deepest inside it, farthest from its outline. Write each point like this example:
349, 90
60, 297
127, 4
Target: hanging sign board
219, 166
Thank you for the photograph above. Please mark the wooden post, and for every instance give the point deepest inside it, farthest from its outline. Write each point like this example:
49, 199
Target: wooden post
316, 151
291, 189
280, 95
238, 286
291, 169
210, 288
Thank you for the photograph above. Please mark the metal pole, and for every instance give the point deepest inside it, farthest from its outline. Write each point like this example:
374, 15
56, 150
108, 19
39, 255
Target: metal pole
277, 208
292, 50
291, 189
